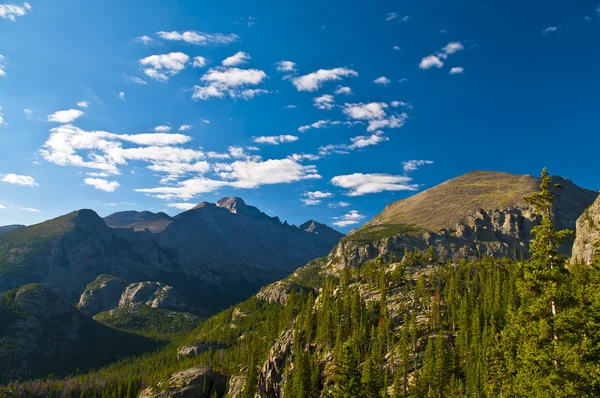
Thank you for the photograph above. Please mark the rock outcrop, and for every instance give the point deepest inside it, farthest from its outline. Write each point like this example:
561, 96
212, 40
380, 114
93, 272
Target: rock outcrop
101, 295
587, 234
278, 292
270, 377
190, 383
192, 351
152, 294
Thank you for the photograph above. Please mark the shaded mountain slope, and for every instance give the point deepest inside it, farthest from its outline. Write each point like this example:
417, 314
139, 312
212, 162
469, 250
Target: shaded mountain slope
138, 220
8, 228
213, 255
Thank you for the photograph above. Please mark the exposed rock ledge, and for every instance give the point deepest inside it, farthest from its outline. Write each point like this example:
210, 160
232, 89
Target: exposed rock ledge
588, 233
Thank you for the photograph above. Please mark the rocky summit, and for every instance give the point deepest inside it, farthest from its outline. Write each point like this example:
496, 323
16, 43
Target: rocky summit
479, 213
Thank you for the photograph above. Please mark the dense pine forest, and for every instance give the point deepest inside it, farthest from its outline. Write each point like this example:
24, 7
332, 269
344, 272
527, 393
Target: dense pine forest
409, 326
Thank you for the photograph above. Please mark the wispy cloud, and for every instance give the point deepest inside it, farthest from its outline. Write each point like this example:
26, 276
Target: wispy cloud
65, 116
103, 185
11, 11
361, 184
236, 59
412, 165
351, 218
198, 38
456, 70
315, 80
435, 60
275, 139
315, 198
17, 179
161, 67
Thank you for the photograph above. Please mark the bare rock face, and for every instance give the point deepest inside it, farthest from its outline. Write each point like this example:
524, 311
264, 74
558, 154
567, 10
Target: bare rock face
587, 234
192, 351
152, 294
278, 292
101, 295
270, 377
193, 382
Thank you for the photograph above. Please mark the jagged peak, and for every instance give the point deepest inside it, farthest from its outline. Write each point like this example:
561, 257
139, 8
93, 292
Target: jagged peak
233, 204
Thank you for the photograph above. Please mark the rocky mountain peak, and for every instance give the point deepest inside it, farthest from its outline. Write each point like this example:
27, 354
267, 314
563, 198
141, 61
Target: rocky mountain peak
233, 204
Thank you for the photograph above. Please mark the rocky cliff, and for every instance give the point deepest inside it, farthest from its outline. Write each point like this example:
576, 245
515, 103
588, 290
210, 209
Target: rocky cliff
588, 234
480, 213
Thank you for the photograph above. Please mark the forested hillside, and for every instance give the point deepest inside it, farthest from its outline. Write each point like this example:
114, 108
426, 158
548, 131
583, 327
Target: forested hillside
405, 327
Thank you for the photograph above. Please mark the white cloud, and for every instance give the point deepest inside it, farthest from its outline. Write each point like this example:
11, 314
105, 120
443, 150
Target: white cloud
550, 29
236, 59
275, 140
412, 165
289, 107
382, 80
28, 112
396, 48
182, 206
453, 47
121, 95
431, 61
313, 81
286, 66
351, 218
395, 15
365, 141
199, 62
239, 174
319, 124
232, 82
105, 152
103, 185
205, 121
65, 116
361, 184
397, 104
158, 139
338, 204
2, 66
83, 104
456, 70
375, 114
199, 38
31, 209
11, 11
162, 129
18, 180
298, 157
185, 127
162, 66
435, 60
315, 198
136, 80
2, 206
145, 40
325, 102
343, 90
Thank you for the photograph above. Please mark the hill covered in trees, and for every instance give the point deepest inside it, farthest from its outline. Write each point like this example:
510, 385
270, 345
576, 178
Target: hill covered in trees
415, 326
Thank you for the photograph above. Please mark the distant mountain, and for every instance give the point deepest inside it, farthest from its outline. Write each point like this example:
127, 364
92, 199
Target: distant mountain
213, 255
479, 213
8, 228
325, 232
139, 220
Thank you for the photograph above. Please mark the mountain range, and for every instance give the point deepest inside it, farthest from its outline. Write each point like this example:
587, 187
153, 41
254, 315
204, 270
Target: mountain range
133, 271
228, 249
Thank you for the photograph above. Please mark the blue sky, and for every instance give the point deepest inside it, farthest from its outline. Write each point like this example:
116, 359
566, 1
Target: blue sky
408, 94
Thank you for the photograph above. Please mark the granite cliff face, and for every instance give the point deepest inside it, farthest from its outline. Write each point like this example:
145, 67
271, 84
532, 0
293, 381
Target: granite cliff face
213, 255
588, 235
480, 213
